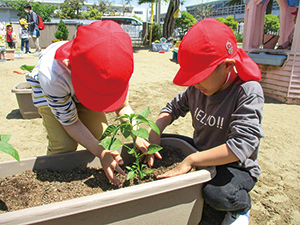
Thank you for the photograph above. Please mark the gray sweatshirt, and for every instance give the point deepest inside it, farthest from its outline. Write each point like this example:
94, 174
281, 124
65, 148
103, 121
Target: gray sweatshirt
232, 116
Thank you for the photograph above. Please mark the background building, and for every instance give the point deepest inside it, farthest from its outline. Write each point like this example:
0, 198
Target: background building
220, 9
8, 14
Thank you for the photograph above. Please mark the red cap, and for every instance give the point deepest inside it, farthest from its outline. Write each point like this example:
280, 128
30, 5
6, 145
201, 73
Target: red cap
205, 46
295, 12
101, 59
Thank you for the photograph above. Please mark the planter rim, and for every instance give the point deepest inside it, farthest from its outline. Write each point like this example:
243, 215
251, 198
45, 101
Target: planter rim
86, 203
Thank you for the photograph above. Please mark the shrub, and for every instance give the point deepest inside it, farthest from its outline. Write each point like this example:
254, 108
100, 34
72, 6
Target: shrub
62, 32
271, 24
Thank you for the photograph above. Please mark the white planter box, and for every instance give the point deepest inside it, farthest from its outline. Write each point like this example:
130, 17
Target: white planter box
175, 200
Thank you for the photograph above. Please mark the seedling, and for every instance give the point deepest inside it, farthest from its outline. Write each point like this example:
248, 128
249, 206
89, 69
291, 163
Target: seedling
130, 128
8, 148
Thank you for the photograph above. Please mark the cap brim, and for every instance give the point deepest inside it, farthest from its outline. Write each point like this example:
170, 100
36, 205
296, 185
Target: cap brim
189, 78
95, 101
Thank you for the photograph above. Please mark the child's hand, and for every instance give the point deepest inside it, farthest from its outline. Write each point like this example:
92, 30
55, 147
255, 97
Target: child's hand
111, 161
142, 145
184, 167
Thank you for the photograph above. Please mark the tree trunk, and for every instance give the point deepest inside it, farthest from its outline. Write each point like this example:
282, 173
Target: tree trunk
269, 7
169, 21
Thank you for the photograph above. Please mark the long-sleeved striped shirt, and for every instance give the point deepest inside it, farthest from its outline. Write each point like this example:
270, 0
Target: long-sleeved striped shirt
52, 86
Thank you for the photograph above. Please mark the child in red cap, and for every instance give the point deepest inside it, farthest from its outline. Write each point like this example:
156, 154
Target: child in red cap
225, 101
75, 82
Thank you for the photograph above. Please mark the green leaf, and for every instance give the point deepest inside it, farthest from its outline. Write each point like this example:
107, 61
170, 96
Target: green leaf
27, 68
111, 144
129, 168
130, 175
9, 149
123, 117
130, 151
143, 166
142, 133
153, 126
142, 174
5, 137
141, 119
126, 128
108, 131
145, 113
148, 171
152, 148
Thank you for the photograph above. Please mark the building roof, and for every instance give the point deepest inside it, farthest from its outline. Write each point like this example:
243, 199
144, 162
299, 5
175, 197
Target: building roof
198, 2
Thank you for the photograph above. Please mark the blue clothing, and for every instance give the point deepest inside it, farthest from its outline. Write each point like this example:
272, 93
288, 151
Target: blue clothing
25, 41
24, 36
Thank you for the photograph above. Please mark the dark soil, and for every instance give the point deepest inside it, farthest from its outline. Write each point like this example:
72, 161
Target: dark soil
39, 187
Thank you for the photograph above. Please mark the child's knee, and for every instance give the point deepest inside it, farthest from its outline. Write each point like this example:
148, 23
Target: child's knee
61, 146
226, 198
214, 196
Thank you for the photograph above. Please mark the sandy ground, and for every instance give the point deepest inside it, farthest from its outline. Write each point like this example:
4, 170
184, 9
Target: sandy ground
275, 198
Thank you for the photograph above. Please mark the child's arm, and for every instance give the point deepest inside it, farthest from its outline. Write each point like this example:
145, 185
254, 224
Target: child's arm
219, 155
110, 160
163, 120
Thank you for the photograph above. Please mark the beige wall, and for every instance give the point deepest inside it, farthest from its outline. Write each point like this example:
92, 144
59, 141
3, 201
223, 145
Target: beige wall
47, 35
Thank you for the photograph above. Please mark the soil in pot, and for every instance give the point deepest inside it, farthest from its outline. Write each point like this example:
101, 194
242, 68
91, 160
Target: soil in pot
39, 187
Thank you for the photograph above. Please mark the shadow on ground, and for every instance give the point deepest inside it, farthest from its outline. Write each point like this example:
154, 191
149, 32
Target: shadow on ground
14, 114
272, 100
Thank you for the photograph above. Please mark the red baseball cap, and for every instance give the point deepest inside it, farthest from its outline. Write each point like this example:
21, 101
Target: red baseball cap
205, 46
101, 59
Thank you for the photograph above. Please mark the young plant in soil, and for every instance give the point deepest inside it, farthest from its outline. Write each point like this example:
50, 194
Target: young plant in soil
130, 128
8, 148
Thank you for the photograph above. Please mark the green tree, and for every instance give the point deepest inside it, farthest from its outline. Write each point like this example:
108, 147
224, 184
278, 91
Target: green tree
271, 24
229, 21
70, 9
91, 14
62, 32
45, 11
203, 11
156, 32
184, 23
105, 7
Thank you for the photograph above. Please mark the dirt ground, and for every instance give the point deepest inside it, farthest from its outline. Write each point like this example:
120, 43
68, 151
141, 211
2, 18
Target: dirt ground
275, 198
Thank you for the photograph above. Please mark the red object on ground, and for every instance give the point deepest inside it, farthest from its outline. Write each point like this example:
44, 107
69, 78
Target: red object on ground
161, 51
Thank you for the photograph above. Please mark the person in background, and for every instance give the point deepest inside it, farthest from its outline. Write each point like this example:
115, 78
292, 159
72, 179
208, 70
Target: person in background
2, 43
9, 36
24, 36
32, 21
14, 35
226, 101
